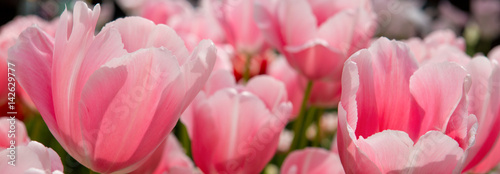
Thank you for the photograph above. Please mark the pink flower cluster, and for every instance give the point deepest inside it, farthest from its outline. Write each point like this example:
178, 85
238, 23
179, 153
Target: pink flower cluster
235, 73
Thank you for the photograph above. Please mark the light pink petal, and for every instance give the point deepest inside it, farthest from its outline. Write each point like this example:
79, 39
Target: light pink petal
148, 72
282, 71
197, 69
495, 53
12, 129
446, 53
315, 59
440, 90
444, 37
271, 91
418, 48
74, 36
137, 33
239, 139
493, 157
237, 19
312, 161
33, 156
434, 153
388, 149
265, 16
484, 106
297, 22
219, 80
33, 52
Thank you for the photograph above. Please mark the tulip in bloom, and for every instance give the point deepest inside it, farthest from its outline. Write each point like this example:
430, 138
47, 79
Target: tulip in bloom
32, 158
316, 36
8, 35
236, 129
395, 117
312, 161
438, 44
12, 129
110, 99
485, 104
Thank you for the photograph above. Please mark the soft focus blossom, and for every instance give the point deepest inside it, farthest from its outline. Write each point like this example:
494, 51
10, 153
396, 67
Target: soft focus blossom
32, 158
169, 158
162, 11
110, 99
236, 17
486, 14
286, 138
12, 129
437, 45
312, 161
395, 117
235, 129
316, 36
8, 35
325, 93
485, 96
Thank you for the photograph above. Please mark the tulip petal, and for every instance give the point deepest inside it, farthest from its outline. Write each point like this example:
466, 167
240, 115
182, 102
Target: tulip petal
436, 88
312, 161
315, 59
297, 21
480, 104
271, 91
434, 152
219, 80
149, 72
33, 52
137, 33
389, 149
197, 69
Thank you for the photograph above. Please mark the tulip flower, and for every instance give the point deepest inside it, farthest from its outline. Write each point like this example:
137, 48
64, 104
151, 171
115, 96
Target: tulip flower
395, 117
110, 99
169, 158
485, 102
316, 37
236, 129
312, 161
31, 158
236, 19
12, 129
160, 12
8, 35
438, 44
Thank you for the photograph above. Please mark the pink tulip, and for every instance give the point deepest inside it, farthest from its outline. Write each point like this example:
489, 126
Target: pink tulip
161, 11
235, 129
325, 93
8, 35
395, 117
438, 44
31, 158
112, 98
312, 161
236, 19
168, 158
316, 36
485, 103
198, 24
12, 129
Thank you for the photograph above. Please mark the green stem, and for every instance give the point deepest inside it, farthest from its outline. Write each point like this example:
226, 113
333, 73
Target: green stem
317, 141
299, 125
186, 143
246, 73
92, 172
